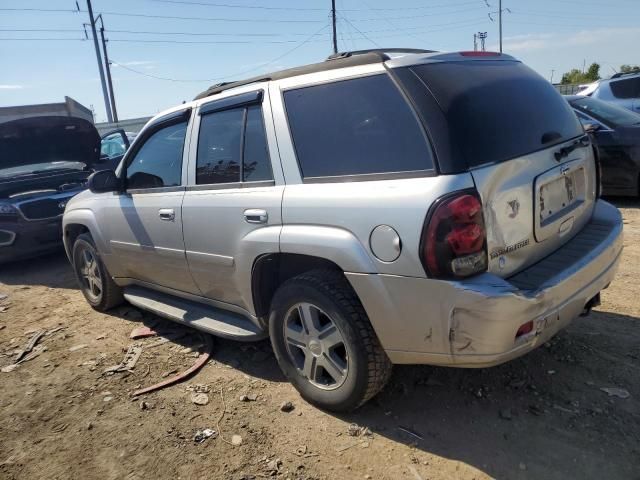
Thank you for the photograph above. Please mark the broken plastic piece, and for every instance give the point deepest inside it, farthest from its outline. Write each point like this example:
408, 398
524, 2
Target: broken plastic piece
204, 358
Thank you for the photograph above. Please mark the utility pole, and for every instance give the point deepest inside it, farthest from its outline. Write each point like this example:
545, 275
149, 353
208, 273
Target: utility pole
552, 72
500, 22
333, 20
105, 93
107, 66
475, 42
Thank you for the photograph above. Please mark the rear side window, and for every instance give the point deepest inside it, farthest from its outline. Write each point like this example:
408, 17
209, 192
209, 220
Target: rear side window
355, 127
496, 110
232, 147
628, 88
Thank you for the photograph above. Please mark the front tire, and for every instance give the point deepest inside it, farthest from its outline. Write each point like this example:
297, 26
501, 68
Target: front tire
324, 342
96, 284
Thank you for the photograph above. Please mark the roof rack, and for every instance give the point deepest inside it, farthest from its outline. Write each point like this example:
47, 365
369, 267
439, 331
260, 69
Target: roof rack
622, 74
382, 52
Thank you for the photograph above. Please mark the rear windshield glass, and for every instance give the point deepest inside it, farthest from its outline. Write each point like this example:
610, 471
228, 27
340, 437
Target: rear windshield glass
498, 110
609, 113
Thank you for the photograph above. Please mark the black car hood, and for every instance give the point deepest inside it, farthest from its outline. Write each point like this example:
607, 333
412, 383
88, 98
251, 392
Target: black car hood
39, 140
630, 134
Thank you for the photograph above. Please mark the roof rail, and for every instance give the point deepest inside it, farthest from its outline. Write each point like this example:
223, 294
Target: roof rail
622, 74
382, 52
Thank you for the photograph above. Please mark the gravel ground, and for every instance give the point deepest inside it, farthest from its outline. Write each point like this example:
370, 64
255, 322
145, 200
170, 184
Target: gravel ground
543, 416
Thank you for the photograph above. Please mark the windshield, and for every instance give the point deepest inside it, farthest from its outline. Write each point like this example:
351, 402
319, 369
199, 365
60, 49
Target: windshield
39, 168
610, 114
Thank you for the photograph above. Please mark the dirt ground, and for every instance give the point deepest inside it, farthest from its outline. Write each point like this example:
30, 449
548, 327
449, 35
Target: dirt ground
543, 416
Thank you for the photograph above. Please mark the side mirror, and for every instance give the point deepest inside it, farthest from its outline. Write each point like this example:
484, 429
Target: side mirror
103, 181
591, 127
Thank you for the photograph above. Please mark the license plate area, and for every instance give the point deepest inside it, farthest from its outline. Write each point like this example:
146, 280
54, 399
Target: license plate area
560, 192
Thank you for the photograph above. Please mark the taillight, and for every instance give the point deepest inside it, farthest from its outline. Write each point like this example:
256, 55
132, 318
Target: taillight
454, 238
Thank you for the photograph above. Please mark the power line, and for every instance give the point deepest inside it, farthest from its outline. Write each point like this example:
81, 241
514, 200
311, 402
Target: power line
279, 57
309, 9
360, 31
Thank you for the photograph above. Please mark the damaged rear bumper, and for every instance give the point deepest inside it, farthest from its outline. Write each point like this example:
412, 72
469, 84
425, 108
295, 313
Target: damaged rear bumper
473, 323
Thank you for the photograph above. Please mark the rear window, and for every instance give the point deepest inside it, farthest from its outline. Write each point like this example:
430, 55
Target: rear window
628, 88
497, 110
355, 127
609, 113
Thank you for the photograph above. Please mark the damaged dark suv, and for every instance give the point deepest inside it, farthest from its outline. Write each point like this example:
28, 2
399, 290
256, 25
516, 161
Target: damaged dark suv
44, 161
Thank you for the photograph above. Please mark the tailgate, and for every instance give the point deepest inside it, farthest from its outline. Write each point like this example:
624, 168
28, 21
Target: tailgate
534, 204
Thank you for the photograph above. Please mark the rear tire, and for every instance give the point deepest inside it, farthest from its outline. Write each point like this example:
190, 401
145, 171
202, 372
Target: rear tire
96, 284
324, 342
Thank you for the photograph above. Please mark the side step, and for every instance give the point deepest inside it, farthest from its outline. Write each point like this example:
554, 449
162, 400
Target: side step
196, 315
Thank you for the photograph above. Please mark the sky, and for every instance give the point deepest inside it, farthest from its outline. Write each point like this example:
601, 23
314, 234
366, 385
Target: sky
166, 51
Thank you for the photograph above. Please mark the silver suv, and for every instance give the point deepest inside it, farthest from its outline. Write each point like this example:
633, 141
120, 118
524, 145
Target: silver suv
379, 208
622, 89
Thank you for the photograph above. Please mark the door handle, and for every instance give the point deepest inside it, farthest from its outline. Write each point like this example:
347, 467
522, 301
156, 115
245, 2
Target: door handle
167, 214
256, 215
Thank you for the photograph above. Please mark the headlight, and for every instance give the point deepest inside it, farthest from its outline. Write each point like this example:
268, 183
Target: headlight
7, 210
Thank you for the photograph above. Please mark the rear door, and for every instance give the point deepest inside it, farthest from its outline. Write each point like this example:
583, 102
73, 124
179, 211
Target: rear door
529, 157
232, 194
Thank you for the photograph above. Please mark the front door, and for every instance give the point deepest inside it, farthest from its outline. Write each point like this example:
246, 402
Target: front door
232, 204
144, 224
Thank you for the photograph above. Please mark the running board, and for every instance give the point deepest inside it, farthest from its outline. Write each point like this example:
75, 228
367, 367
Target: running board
196, 315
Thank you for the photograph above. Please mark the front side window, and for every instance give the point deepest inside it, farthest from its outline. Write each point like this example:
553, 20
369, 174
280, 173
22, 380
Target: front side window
627, 88
158, 163
113, 146
355, 127
232, 147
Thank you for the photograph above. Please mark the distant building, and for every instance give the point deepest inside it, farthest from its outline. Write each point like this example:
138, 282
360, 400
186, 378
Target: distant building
68, 108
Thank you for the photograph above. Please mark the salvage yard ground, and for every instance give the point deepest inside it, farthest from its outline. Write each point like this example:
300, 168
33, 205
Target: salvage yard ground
543, 416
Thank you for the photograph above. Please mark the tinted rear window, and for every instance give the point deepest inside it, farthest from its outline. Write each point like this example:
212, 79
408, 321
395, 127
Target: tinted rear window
355, 127
497, 110
628, 88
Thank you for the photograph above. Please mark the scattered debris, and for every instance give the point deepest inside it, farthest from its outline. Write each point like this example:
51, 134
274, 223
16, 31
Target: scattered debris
75, 348
29, 345
4, 308
287, 407
3, 296
347, 447
273, 466
59, 428
236, 440
204, 358
356, 430
2, 327
616, 392
200, 398
37, 350
128, 362
551, 372
301, 451
169, 372
199, 388
142, 332
411, 432
108, 398
251, 397
146, 405
202, 435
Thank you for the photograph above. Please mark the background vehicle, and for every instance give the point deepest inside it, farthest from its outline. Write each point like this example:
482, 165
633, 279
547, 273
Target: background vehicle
380, 207
45, 161
617, 134
622, 89
113, 146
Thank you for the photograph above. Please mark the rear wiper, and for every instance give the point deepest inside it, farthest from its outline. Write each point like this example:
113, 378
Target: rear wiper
582, 142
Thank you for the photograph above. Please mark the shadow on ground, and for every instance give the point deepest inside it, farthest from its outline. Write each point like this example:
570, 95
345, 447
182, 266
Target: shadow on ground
52, 270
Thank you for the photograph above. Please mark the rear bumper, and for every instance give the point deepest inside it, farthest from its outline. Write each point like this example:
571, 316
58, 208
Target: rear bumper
473, 323
29, 239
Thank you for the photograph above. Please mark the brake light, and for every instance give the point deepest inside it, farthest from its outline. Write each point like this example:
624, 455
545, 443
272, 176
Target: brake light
454, 238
